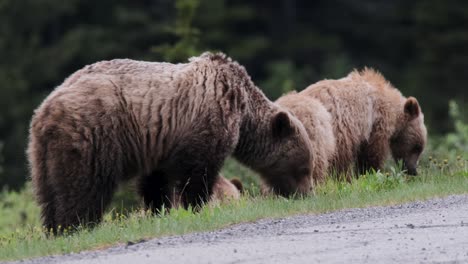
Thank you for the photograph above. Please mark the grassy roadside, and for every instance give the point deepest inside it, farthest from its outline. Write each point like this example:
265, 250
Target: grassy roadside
21, 236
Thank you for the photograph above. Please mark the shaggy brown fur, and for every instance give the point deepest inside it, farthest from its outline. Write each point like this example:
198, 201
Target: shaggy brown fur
370, 120
169, 125
317, 121
225, 190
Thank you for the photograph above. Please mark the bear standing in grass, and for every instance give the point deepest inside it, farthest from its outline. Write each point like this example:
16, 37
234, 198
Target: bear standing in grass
170, 126
317, 122
371, 119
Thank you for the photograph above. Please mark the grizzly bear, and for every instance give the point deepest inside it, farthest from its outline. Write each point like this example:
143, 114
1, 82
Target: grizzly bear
371, 119
169, 126
317, 122
225, 190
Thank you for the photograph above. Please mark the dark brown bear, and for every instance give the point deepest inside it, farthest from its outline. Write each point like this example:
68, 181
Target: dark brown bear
170, 126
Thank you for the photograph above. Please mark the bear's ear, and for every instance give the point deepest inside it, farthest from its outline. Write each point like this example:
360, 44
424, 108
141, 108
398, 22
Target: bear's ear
412, 108
236, 182
281, 125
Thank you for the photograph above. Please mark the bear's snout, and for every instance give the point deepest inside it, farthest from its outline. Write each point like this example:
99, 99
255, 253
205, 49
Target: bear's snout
410, 169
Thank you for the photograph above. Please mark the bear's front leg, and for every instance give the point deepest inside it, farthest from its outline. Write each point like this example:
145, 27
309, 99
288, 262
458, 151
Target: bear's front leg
154, 188
371, 155
193, 171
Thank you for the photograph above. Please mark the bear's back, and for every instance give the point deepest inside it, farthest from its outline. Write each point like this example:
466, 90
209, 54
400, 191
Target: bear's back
120, 68
350, 103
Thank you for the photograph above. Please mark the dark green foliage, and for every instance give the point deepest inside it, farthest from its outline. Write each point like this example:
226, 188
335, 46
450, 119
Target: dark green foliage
421, 46
187, 36
453, 144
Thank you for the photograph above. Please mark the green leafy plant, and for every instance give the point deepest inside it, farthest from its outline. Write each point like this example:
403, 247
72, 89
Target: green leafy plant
377, 180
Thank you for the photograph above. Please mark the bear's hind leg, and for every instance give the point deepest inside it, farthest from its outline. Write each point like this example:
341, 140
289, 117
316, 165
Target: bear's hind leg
84, 182
44, 192
83, 207
46, 198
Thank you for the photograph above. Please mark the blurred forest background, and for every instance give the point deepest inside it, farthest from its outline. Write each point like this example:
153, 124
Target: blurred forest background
421, 46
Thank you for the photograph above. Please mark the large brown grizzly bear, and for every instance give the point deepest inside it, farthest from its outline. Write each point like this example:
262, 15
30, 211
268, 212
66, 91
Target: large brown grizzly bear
371, 119
170, 126
317, 122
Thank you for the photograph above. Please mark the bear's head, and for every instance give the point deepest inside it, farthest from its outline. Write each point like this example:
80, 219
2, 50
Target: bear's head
290, 160
409, 141
225, 190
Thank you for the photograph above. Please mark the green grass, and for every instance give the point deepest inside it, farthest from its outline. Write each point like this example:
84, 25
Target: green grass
22, 237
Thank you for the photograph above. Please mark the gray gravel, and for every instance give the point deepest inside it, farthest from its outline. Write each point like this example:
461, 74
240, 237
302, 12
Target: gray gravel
431, 231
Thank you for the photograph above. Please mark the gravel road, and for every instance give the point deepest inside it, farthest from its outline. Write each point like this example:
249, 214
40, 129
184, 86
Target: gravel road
431, 231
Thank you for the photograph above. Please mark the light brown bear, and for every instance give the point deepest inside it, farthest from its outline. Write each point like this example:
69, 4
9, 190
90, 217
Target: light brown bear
317, 122
225, 190
371, 119
170, 126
